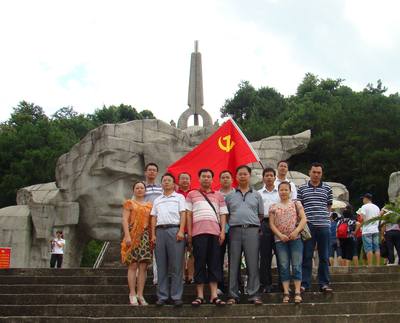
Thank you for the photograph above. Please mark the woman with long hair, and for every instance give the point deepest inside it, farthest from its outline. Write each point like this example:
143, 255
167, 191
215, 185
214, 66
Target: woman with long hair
136, 250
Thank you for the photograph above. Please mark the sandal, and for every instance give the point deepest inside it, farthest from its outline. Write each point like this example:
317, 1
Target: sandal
297, 298
198, 301
142, 301
257, 301
218, 302
231, 301
133, 300
286, 298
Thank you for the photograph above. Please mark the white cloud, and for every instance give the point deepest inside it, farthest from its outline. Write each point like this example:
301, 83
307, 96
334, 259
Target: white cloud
89, 53
376, 21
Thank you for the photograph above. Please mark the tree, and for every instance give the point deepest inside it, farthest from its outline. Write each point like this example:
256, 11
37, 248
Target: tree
354, 134
256, 111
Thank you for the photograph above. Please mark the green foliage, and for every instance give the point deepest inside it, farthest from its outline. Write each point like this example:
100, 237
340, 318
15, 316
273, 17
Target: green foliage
118, 114
256, 111
391, 216
31, 142
354, 134
91, 252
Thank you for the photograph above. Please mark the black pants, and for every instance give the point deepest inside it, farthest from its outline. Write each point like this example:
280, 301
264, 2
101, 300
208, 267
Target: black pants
56, 258
206, 252
223, 247
267, 244
392, 238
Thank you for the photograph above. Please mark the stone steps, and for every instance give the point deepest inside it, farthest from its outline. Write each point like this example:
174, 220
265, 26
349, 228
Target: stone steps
121, 280
122, 298
337, 318
150, 289
364, 294
111, 310
122, 271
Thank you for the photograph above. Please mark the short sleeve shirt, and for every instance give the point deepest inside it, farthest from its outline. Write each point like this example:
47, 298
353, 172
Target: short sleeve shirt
244, 208
285, 217
369, 211
152, 192
315, 200
205, 220
269, 198
167, 208
56, 249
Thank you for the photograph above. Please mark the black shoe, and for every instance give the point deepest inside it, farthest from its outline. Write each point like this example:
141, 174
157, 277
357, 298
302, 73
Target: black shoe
160, 302
178, 303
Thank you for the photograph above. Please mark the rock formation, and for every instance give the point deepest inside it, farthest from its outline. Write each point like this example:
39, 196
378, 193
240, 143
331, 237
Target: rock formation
94, 178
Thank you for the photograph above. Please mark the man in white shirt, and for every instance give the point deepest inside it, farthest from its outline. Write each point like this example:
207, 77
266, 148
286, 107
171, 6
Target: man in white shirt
370, 232
57, 250
168, 220
283, 169
270, 196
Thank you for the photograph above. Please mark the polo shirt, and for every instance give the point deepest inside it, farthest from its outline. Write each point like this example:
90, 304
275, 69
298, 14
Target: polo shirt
183, 192
315, 200
152, 192
204, 219
293, 188
244, 208
369, 211
269, 198
167, 208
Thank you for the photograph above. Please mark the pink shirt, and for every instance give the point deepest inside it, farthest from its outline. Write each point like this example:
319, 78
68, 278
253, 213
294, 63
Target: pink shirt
285, 217
204, 219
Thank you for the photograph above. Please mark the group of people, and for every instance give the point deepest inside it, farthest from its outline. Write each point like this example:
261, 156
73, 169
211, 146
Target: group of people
349, 237
173, 219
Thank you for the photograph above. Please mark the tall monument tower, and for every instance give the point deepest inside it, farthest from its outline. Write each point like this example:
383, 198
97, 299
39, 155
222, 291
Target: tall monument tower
195, 95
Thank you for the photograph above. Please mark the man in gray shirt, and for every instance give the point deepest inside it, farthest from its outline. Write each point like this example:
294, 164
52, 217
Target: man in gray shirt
245, 207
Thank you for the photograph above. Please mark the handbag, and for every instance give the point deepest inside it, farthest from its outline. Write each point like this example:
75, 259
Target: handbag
305, 234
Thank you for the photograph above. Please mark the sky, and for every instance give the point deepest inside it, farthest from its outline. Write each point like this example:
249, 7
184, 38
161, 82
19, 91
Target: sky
86, 54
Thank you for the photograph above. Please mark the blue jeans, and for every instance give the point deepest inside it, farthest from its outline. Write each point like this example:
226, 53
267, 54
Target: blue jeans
321, 238
290, 253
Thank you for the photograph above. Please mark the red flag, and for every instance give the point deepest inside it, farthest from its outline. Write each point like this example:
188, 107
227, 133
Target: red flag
225, 149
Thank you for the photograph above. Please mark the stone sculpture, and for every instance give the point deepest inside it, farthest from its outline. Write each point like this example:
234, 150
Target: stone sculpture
394, 186
93, 179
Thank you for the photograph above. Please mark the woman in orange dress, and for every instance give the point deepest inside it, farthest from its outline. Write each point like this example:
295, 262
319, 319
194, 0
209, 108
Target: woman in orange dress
135, 247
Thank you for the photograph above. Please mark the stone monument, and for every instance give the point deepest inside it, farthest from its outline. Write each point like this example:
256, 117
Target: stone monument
195, 96
394, 186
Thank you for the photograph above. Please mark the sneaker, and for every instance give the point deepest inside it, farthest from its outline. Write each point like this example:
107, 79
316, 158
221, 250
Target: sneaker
326, 289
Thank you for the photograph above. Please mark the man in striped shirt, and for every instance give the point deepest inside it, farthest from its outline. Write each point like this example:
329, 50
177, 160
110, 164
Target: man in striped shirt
316, 197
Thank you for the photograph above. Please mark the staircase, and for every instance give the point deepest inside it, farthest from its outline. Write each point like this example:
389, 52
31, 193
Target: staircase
101, 295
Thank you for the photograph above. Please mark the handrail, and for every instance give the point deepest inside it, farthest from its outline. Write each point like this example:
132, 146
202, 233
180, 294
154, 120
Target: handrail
100, 257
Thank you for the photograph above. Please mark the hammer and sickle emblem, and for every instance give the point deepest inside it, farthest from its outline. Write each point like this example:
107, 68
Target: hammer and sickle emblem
228, 144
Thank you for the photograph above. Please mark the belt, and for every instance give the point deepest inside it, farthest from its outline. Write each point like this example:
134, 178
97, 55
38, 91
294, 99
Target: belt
167, 226
244, 226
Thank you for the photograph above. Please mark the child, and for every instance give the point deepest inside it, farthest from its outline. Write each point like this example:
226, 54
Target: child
333, 241
345, 230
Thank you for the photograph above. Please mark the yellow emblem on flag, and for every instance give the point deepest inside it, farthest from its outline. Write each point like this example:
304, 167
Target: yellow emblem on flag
228, 143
